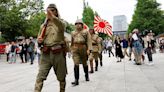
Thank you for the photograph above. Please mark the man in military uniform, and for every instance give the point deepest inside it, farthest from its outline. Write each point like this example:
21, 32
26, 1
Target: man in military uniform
80, 47
96, 45
52, 52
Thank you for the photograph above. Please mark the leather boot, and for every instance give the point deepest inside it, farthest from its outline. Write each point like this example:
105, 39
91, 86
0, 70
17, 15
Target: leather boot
62, 86
101, 64
76, 74
143, 57
91, 65
86, 73
96, 68
91, 70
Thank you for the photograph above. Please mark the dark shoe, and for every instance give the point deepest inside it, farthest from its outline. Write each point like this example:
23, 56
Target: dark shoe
96, 68
75, 83
87, 79
86, 73
130, 59
138, 63
91, 71
22, 61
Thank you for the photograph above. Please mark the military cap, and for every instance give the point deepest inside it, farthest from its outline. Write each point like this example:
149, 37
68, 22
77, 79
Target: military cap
51, 6
79, 21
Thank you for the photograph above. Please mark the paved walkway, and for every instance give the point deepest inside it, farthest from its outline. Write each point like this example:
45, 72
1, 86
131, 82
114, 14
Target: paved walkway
112, 77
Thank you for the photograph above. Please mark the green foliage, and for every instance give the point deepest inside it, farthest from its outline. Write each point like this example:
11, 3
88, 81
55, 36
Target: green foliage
70, 27
148, 16
34, 23
2, 40
103, 36
88, 16
14, 15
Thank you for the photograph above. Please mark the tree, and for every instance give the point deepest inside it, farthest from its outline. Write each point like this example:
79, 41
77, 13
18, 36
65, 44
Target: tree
34, 24
14, 15
88, 16
148, 16
70, 27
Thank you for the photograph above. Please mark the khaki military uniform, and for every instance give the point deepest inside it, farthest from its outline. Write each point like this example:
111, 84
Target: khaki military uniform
97, 48
81, 42
53, 54
67, 49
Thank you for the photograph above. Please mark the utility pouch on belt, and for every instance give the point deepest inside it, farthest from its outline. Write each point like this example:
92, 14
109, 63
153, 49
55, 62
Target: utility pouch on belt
45, 49
56, 49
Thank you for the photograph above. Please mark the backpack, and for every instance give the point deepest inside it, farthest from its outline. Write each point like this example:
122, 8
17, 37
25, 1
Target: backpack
31, 47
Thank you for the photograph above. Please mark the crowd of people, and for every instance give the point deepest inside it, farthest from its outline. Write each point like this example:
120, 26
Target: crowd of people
137, 44
24, 48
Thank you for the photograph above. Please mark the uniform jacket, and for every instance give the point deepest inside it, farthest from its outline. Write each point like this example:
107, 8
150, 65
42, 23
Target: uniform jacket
81, 37
54, 32
96, 43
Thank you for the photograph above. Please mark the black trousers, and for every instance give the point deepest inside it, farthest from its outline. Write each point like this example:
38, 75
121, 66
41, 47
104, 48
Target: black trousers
7, 57
25, 56
149, 54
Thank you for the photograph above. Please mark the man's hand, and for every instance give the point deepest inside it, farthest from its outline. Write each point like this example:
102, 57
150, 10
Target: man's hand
50, 14
88, 52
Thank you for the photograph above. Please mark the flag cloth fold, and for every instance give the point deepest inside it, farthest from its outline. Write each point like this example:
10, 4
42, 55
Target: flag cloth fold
102, 26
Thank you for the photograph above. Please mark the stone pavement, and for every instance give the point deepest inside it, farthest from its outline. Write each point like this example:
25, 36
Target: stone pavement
112, 77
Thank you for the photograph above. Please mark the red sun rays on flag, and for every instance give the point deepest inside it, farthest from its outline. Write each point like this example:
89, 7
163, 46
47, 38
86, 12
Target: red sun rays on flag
102, 26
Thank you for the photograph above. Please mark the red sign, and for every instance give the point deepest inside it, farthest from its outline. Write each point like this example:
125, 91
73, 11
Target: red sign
2, 48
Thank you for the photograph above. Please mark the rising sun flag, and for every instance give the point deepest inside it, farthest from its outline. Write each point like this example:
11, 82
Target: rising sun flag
102, 26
